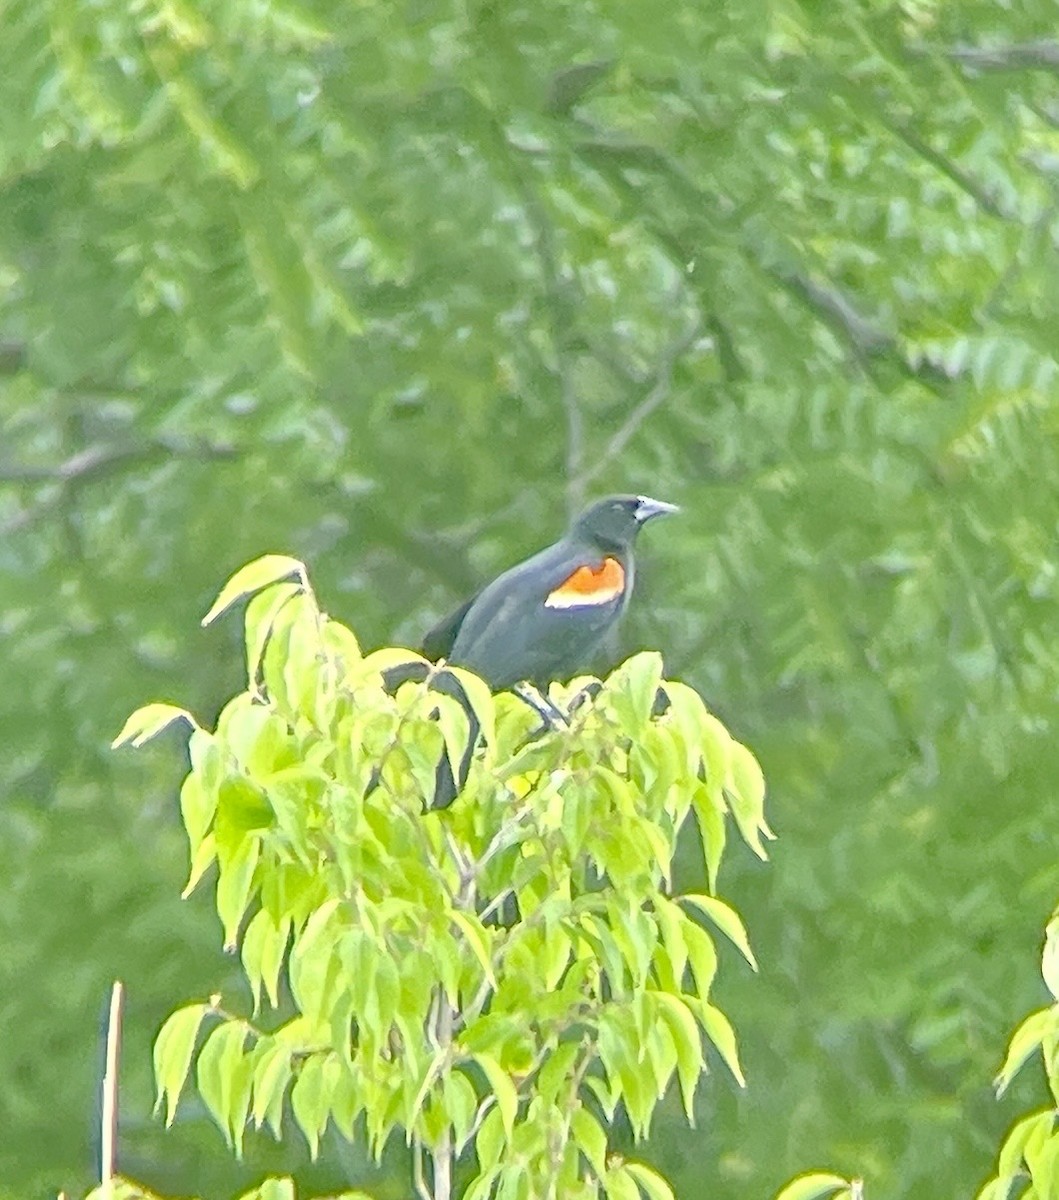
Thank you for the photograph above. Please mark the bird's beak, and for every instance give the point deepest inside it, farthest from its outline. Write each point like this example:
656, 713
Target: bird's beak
646, 508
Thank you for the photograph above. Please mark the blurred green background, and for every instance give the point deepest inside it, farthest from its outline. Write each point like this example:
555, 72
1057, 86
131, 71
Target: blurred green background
392, 287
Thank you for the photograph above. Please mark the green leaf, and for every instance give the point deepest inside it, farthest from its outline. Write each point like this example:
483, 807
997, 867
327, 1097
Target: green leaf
272, 1188
503, 1089
270, 568
727, 921
1024, 1041
491, 1139
172, 1054
201, 861
198, 803
709, 816
686, 1042
312, 964
671, 921
481, 701
310, 1101
1050, 958
272, 1074
1037, 1125
264, 944
150, 720
590, 1138
812, 1185
619, 1184
261, 614
631, 690
380, 661
234, 886
702, 955
475, 936
651, 1183
746, 792
455, 728
460, 1105
224, 1074
720, 1032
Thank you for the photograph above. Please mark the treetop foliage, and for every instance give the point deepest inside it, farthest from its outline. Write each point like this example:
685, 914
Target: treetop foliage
474, 976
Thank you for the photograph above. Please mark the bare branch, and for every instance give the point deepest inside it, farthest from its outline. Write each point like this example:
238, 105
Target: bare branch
659, 393
963, 179
1042, 54
102, 459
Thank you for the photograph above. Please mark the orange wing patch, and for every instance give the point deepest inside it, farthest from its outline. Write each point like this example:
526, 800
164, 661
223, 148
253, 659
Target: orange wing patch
589, 585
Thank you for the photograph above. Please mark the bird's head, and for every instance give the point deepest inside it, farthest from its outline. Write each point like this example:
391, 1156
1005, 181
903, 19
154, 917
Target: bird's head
613, 523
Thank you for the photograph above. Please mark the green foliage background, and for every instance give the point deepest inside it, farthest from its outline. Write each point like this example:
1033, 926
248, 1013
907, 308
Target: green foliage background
391, 288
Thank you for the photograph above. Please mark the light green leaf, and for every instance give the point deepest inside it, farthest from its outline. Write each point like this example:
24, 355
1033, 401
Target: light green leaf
651, 1183
380, 661
223, 1074
727, 921
812, 1185
475, 936
198, 803
310, 1101
631, 690
687, 1043
709, 815
460, 1105
503, 1089
272, 1188
234, 886
1050, 958
148, 721
264, 943
455, 728
702, 955
719, 1031
270, 568
619, 1184
671, 922
481, 701
1024, 1041
1037, 1126
172, 1054
272, 1074
746, 795
201, 862
490, 1141
261, 614
590, 1138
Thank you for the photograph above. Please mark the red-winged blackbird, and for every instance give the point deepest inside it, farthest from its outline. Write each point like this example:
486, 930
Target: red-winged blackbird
543, 619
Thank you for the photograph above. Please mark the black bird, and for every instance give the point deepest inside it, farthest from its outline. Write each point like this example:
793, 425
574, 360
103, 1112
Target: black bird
543, 619
540, 621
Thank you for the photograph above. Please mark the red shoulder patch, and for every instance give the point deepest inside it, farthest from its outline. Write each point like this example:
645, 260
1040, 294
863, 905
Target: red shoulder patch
589, 585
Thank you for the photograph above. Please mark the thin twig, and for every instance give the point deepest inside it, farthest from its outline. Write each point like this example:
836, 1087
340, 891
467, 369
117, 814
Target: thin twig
1016, 56
659, 392
101, 458
109, 1123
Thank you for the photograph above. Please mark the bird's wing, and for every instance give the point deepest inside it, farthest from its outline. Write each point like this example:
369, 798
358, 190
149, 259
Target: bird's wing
438, 641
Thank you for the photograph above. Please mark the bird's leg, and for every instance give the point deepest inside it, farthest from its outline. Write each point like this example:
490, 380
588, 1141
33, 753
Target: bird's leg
549, 713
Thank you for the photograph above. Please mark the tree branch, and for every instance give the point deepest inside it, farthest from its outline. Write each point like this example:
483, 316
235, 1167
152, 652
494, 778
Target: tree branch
1042, 54
660, 392
102, 459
